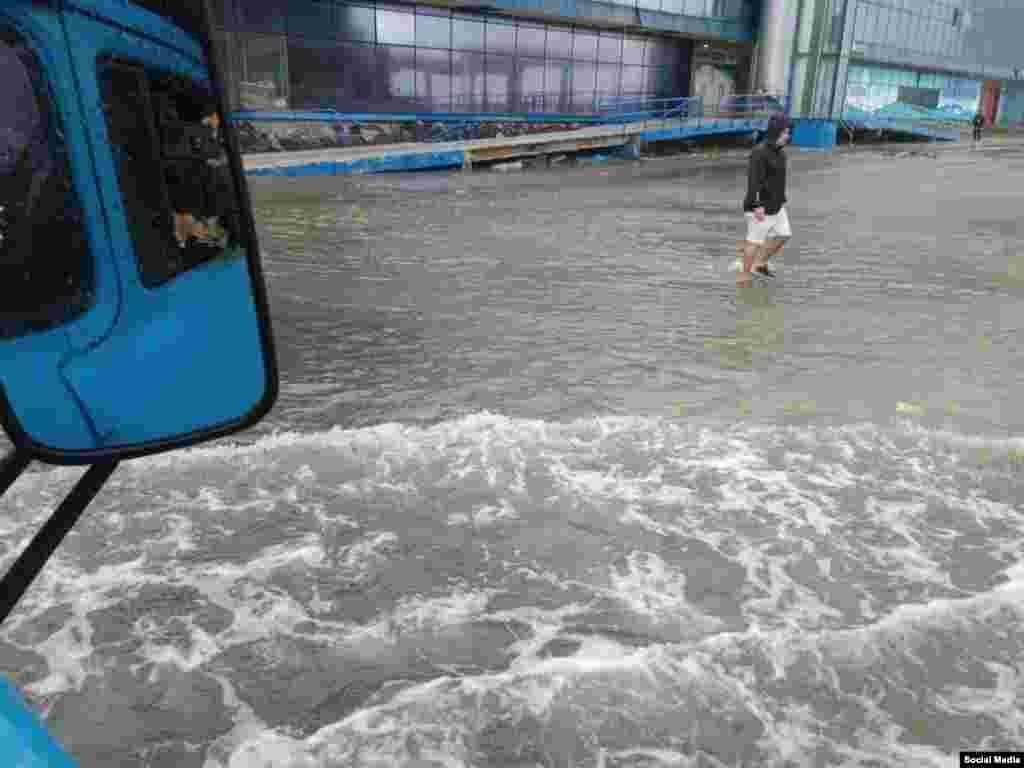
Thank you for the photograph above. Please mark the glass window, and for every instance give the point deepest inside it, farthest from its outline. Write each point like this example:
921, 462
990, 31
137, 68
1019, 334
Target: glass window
672, 6
559, 43
433, 79
500, 82
178, 193
311, 18
261, 16
633, 50
558, 85
650, 5
609, 47
584, 102
467, 35
467, 81
352, 78
433, 31
264, 84
898, 26
608, 79
922, 34
531, 84
871, 28
501, 38
886, 28
395, 27
356, 22
935, 36
530, 40
396, 70
313, 68
45, 260
661, 54
926, 35
632, 80
584, 76
835, 31
650, 80
223, 12
584, 46
664, 81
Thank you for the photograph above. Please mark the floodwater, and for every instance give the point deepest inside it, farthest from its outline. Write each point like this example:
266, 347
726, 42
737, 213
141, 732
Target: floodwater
545, 488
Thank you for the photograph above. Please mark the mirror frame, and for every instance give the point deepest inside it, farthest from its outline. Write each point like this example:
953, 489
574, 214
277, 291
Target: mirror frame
23, 441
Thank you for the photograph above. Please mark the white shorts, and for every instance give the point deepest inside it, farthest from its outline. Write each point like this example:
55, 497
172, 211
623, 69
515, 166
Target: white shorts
776, 225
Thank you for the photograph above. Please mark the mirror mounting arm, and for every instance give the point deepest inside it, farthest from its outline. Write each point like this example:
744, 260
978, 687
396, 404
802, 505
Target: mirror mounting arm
25, 569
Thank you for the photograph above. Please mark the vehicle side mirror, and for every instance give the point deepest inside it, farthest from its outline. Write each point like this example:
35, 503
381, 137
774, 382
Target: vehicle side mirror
134, 316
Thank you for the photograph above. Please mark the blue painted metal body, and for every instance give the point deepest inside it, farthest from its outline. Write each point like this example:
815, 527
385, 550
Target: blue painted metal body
151, 320
814, 133
24, 742
69, 365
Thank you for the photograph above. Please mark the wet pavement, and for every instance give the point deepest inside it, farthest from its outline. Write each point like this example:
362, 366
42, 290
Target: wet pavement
555, 294
545, 488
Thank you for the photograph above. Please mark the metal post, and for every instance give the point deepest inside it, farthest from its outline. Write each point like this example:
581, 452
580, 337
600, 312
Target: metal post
25, 569
13, 464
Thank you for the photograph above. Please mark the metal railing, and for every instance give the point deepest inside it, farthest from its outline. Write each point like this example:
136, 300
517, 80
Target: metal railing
736, 112
931, 125
626, 109
741, 105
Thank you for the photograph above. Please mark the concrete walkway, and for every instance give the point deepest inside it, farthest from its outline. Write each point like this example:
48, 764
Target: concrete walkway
458, 154
463, 154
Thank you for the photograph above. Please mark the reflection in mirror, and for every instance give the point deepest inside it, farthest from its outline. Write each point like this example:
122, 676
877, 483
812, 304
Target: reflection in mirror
163, 337
193, 216
46, 275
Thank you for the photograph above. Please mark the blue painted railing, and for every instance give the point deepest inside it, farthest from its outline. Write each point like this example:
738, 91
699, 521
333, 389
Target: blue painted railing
332, 116
613, 110
627, 109
931, 127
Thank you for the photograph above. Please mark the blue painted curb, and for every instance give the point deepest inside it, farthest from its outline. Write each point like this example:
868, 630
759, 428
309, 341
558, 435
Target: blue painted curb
393, 164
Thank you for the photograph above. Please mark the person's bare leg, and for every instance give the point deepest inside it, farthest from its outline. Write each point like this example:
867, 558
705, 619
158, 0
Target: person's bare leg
771, 249
751, 252
182, 226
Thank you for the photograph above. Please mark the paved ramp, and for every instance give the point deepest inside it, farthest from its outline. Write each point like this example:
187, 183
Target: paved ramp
459, 154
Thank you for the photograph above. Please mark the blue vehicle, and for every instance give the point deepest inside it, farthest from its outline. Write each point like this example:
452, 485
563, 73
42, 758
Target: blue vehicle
134, 317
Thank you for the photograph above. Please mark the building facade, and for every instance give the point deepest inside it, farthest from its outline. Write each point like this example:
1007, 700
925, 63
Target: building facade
953, 56
576, 56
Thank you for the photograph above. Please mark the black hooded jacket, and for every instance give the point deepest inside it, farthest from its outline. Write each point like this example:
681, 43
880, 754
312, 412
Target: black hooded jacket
766, 180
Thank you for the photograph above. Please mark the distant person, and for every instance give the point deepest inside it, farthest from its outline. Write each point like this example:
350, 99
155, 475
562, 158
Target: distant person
978, 122
221, 210
765, 203
202, 197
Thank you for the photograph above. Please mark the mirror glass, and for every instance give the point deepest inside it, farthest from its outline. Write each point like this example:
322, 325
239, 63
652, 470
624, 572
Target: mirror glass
134, 316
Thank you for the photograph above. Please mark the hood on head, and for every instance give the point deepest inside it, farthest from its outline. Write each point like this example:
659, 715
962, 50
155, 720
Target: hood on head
776, 125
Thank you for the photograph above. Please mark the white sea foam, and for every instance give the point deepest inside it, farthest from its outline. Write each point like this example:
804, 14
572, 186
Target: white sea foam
825, 524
